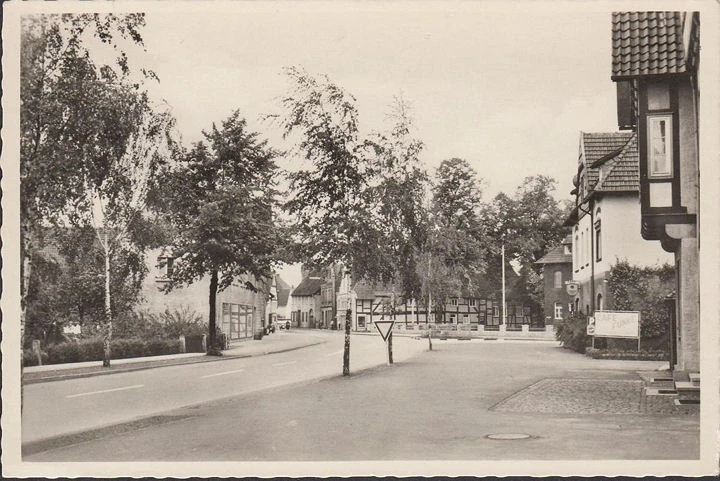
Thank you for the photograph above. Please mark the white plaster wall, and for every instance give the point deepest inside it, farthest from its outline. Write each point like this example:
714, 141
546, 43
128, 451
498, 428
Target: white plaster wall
621, 236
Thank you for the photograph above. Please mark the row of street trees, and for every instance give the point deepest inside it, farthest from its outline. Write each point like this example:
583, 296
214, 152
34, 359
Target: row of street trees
99, 156
368, 202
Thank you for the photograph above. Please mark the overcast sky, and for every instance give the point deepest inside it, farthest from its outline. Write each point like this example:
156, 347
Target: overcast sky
508, 90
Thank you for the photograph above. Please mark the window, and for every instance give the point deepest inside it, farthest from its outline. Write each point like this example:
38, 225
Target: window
599, 304
660, 146
558, 279
452, 319
582, 249
165, 265
576, 249
453, 302
471, 302
496, 311
558, 310
598, 242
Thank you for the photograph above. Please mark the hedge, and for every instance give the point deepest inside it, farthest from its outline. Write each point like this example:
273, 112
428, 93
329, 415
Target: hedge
92, 350
627, 355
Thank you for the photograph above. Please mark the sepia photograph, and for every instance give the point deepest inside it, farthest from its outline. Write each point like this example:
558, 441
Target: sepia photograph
354, 238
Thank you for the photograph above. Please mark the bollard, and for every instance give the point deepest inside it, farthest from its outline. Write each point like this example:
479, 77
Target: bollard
36, 350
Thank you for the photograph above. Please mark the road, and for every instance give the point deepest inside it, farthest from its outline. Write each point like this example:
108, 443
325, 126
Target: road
439, 405
64, 407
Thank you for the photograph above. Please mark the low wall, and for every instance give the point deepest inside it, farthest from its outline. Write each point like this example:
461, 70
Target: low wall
470, 331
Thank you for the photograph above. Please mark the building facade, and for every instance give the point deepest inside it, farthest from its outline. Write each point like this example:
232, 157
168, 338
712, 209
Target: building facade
305, 302
604, 221
655, 64
557, 268
240, 311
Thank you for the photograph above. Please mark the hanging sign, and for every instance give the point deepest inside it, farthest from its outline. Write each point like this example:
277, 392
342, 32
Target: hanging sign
571, 287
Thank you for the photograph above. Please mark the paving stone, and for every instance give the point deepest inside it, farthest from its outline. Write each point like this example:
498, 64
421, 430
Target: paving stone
577, 396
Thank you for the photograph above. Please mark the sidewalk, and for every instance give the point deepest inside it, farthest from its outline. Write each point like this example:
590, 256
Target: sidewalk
280, 341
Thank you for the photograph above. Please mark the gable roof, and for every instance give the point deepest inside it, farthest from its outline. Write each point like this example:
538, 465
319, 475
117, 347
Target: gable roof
599, 147
556, 256
654, 43
309, 286
623, 172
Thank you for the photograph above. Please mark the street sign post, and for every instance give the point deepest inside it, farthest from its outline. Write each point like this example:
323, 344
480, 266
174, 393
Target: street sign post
385, 330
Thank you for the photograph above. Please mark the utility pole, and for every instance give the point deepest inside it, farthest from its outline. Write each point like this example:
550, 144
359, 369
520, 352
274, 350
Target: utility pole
504, 307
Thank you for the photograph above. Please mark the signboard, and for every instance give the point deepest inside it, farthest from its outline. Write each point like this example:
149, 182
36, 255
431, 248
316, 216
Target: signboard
571, 287
384, 328
617, 324
591, 326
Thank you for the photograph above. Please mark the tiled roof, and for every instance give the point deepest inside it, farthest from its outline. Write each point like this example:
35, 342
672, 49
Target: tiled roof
367, 290
556, 256
308, 287
597, 145
649, 43
622, 173
280, 283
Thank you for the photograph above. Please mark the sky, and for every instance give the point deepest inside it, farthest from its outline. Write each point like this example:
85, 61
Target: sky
509, 90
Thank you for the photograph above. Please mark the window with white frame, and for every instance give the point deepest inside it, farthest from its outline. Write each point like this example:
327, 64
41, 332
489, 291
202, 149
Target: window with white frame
660, 141
453, 302
471, 302
558, 310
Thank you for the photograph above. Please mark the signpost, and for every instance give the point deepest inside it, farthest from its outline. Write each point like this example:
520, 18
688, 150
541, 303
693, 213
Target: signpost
621, 324
385, 330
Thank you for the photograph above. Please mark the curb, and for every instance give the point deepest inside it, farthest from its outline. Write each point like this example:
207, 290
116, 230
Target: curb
158, 364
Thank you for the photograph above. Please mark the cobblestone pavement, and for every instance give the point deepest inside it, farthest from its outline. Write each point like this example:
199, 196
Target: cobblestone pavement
577, 396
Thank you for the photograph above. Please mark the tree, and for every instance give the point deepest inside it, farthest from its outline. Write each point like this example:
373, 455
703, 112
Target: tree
528, 224
76, 115
457, 193
397, 191
329, 202
220, 202
114, 202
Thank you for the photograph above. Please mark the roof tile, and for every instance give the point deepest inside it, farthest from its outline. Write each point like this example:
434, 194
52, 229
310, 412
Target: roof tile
649, 43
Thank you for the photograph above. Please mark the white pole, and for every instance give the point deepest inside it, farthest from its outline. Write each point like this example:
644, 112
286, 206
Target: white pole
504, 307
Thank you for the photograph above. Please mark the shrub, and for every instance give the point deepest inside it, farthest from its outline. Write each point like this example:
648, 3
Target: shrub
643, 289
30, 359
92, 350
571, 332
182, 322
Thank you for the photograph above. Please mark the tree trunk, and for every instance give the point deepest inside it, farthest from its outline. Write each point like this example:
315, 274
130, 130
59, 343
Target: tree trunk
108, 310
211, 345
26, 268
346, 351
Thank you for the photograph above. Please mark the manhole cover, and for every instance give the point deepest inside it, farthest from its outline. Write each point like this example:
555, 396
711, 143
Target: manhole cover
508, 436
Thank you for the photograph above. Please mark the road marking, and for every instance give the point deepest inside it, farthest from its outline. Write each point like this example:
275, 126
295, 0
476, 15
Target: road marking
222, 373
333, 353
135, 386
284, 363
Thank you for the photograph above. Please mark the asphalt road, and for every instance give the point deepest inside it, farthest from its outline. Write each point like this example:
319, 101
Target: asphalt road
71, 406
439, 405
